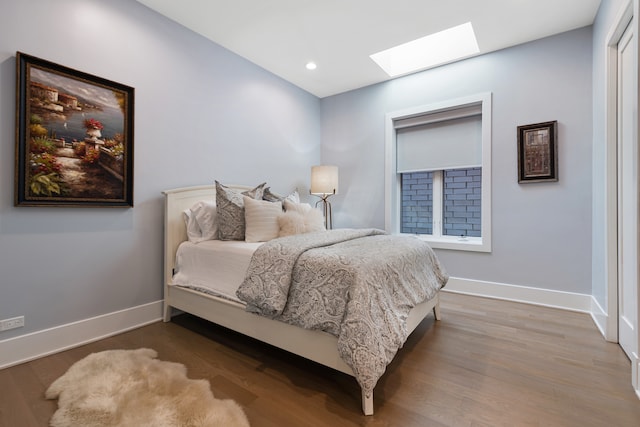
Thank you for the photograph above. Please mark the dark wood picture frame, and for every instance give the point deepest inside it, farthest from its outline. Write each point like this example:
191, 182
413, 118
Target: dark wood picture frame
538, 152
74, 137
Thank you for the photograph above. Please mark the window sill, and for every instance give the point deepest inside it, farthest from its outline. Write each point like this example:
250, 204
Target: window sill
473, 244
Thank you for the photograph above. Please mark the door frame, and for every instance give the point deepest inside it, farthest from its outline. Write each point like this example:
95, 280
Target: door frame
627, 16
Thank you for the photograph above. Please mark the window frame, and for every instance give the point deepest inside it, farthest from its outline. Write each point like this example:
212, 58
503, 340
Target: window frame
393, 180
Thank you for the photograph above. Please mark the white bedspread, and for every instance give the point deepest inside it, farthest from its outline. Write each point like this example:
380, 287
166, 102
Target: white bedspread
214, 266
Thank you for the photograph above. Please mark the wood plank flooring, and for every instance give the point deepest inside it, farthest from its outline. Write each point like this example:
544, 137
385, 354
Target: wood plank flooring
487, 363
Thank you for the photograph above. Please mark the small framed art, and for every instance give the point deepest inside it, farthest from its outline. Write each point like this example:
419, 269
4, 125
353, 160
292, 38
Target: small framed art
74, 137
538, 152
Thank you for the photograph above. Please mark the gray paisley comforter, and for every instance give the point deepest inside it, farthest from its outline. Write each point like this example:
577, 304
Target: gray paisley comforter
358, 285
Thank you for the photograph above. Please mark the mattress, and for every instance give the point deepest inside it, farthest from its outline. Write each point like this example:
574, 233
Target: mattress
215, 267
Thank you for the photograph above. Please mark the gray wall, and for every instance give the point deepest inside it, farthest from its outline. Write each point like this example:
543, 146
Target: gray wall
202, 113
541, 232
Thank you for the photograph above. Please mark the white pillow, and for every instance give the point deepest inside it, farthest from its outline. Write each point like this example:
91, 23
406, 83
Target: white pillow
294, 197
193, 229
261, 219
205, 215
293, 222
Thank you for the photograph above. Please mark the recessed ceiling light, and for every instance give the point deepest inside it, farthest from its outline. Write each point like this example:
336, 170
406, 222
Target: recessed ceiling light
435, 49
311, 66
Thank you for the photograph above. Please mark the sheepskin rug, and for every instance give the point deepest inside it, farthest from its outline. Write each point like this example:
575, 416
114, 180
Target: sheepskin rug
131, 388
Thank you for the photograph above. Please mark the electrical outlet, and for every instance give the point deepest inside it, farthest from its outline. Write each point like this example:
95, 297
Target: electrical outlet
15, 322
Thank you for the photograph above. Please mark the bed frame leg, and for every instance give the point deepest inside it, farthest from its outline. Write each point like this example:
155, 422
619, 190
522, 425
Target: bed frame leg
166, 315
367, 403
436, 311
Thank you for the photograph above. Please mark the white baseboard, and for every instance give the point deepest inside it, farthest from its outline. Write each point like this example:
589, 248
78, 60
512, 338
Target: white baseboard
536, 296
635, 373
601, 319
24, 348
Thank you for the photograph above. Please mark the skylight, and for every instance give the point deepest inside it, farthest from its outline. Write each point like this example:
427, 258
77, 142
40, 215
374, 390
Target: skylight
429, 51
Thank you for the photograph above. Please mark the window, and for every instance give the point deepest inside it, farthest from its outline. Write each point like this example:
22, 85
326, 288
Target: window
439, 173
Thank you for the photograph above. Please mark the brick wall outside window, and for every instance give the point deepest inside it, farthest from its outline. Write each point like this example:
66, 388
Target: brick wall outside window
462, 202
417, 203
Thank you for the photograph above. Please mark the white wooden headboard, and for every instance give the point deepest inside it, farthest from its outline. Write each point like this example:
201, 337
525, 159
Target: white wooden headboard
175, 232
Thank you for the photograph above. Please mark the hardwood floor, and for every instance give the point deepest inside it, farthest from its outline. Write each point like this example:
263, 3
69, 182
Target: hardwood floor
487, 363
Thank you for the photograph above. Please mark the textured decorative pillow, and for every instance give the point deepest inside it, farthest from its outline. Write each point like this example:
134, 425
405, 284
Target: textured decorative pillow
301, 208
204, 213
290, 223
275, 197
230, 209
314, 221
261, 219
294, 222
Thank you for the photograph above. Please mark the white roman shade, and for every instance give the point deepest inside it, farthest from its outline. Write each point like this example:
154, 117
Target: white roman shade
449, 139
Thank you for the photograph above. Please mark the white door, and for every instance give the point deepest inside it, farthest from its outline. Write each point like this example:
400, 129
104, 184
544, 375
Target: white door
627, 199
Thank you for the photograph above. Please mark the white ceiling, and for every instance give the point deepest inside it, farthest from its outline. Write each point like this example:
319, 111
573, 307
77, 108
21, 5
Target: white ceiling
339, 35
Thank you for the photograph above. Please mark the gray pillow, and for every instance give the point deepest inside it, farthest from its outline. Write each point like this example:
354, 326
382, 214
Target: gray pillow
230, 207
270, 196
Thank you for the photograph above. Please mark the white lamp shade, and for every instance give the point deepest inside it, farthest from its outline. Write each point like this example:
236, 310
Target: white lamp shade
324, 179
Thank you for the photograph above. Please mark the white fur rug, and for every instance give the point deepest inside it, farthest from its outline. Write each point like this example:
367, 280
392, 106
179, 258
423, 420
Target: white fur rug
131, 388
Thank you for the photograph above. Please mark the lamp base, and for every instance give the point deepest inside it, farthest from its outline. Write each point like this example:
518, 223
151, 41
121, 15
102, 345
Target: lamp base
326, 208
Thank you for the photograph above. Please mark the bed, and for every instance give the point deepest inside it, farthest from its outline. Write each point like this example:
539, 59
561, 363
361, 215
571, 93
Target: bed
312, 344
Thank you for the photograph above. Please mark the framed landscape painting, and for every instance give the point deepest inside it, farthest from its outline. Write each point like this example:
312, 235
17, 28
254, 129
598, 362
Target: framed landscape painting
74, 137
